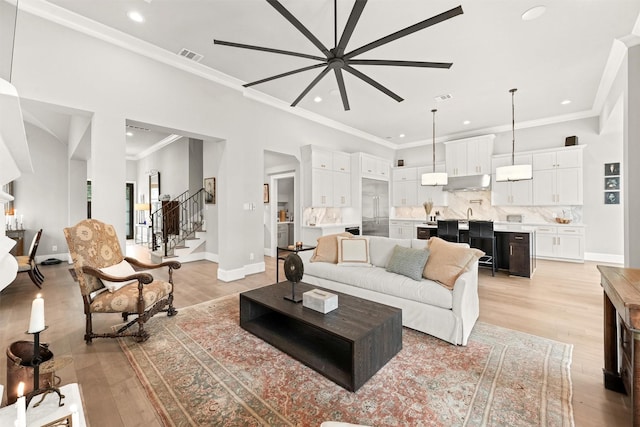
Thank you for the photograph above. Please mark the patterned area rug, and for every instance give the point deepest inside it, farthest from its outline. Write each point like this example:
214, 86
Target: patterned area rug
201, 369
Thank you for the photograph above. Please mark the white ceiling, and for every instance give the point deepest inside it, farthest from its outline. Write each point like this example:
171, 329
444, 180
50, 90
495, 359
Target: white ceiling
561, 55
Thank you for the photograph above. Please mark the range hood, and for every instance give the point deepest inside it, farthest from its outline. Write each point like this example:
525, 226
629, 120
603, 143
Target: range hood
468, 183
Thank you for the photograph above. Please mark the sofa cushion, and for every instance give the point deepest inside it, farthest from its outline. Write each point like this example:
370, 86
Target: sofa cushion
379, 280
408, 262
448, 260
381, 249
353, 251
327, 248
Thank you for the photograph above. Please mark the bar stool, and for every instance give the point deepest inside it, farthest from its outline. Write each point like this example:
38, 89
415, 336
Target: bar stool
448, 230
481, 233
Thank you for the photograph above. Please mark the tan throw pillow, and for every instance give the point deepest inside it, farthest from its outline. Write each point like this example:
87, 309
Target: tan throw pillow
327, 248
447, 261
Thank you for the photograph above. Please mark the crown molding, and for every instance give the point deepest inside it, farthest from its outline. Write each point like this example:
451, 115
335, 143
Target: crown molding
157, 146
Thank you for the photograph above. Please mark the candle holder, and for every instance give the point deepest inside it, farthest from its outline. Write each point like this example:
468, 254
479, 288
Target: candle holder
35, 363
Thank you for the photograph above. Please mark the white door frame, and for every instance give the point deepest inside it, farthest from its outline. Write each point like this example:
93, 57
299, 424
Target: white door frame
273, 197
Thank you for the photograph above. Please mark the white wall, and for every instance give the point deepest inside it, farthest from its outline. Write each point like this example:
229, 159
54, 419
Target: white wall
42, 196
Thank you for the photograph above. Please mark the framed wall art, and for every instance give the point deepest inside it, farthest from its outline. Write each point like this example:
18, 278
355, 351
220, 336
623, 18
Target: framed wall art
611, 169
265, 193
611, 197
210, 191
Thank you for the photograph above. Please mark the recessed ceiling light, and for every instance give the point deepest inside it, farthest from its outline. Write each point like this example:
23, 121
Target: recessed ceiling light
533, 13
401, 135
466, 122
136, 16
129, 133
317, 99
566, 102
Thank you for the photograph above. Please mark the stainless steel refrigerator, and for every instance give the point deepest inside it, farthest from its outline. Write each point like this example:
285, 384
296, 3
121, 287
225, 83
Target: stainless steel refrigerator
375, 207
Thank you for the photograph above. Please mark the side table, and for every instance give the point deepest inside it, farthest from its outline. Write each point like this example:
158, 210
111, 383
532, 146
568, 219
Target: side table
621, 371
290, 249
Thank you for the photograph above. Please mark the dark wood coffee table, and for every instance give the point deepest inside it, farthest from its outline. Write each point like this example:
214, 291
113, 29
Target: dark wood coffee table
347, 345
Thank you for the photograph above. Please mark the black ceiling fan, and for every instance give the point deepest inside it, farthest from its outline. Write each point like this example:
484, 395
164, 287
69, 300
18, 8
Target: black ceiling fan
337, 60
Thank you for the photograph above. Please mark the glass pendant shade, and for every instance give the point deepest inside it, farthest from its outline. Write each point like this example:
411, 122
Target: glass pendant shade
434, 178
514, 173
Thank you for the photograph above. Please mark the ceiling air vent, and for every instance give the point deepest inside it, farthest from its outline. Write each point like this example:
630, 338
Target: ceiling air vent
443, 97
138, 128
189, 54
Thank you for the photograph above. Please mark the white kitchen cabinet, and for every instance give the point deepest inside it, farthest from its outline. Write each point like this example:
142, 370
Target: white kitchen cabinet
557, 177
341, 162
429, 192
511, 193
560, 242
405, 193
341, 189
404, 174
557, 187
399, 229
470, 156
556, 159
456, 155
321, 188
374, 167
326, 178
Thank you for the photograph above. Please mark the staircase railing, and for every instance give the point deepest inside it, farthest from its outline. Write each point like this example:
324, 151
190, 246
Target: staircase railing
176, 221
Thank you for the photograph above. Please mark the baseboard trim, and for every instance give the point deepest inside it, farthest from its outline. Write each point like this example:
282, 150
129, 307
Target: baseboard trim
230, 275
609, 258
258, 267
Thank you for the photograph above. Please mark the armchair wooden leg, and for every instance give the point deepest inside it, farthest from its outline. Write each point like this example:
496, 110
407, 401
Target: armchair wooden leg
171, 310
89, 332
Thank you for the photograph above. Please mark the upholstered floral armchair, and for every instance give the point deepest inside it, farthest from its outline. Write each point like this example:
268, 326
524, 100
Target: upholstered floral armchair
110, 284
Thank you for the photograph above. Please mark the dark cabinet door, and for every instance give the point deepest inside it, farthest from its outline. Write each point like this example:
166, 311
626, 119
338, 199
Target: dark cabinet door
425, 233
519, 255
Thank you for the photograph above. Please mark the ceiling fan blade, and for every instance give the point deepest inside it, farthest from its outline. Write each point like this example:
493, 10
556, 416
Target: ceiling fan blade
268, 49
294, 21
400, 63
288, 73
372, 82
406, 31
358, 7
311, 85
343, 90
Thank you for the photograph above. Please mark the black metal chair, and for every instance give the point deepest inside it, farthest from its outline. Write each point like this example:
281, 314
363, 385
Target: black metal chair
448, 230
481, 236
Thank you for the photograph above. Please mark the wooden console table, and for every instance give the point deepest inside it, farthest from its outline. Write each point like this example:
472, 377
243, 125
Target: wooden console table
622, 345
18, 236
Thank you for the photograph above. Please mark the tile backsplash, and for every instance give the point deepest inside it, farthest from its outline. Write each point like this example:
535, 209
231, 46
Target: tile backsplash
480, 204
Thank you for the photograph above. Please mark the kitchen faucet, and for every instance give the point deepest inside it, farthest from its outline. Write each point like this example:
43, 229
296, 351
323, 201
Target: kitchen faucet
469, 213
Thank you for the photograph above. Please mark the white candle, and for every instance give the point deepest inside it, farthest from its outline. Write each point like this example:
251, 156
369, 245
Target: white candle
75, 416
37, 315
21, 406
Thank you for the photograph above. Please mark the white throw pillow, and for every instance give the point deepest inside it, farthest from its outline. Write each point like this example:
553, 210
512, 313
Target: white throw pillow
353, 252
121, 269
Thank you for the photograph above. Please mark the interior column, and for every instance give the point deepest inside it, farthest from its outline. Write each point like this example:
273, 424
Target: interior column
108, 171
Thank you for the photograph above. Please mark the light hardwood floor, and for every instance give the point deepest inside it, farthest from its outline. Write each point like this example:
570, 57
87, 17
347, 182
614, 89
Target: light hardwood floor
563, 302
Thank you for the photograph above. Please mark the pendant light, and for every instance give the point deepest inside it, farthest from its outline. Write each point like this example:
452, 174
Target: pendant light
513, 172
434, 178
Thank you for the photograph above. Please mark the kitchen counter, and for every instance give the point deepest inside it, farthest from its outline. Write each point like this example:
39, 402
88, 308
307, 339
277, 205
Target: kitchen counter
335, 225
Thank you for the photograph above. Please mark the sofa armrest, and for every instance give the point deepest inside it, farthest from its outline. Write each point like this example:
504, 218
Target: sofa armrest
466, 303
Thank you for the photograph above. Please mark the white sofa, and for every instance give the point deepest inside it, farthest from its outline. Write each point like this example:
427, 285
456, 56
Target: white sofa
426, 305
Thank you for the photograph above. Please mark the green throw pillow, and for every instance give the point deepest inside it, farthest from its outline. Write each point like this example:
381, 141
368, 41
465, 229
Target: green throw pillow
409, 262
